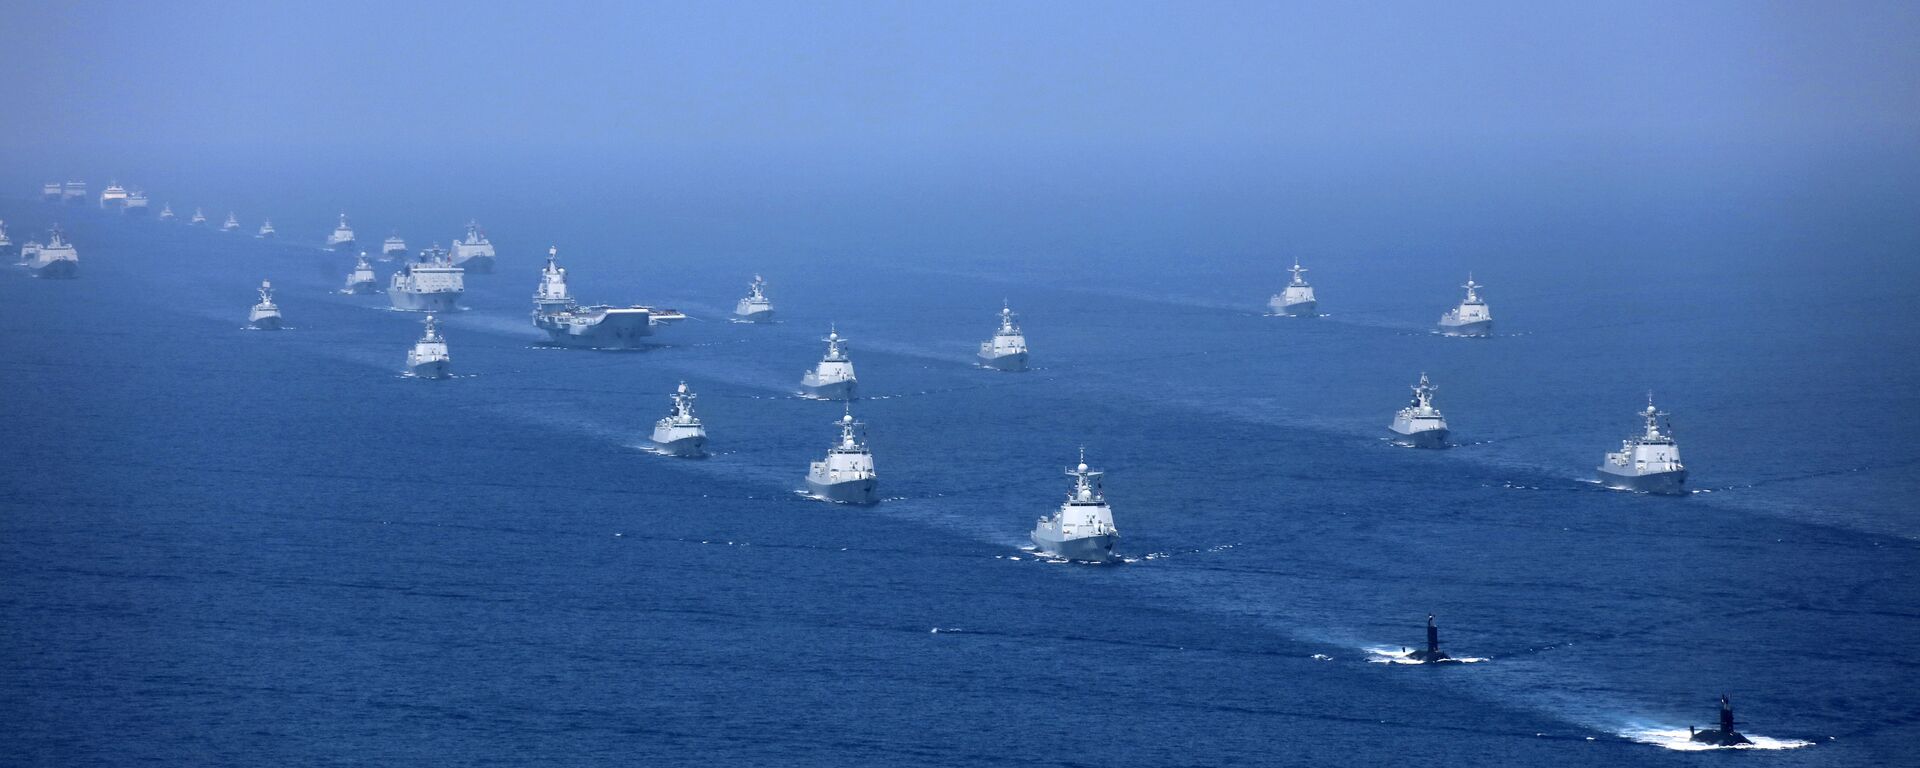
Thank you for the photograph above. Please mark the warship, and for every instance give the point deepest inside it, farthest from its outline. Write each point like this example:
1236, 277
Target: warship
198, 217
1007, 350
832, 378
430, 285
114, 197
756, 307
475, 252
266, 230
1725, 735
50, 192
362, 279
598, 326
1296, 300
265, 315
680, 433
1649, 462
341, 239
29, 251
393, 248
232, 223
1471, 318
73, 192
56, 260
1420, 424
429, 359
166, 212
4, 241
136, 203
1083, 528
847, 474
1432, 654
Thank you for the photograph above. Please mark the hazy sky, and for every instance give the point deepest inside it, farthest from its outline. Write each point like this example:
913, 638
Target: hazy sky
970, 77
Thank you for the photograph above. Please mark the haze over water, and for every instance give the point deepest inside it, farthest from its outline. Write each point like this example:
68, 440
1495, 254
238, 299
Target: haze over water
221, 547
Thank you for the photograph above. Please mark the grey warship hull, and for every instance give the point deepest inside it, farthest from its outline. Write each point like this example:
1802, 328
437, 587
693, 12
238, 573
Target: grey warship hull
477, 265
1426, 438
1013, 362
846, 492
762, 316
1480, 329
1095, 549
58, 270
345, 246
1660, 483
445, 301
614, 330
1300, 309
437, 369
266, 323
686, 447
362, 288
839, 390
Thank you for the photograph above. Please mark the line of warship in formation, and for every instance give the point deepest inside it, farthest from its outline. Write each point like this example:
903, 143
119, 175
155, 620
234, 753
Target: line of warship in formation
598, 326
1081, 529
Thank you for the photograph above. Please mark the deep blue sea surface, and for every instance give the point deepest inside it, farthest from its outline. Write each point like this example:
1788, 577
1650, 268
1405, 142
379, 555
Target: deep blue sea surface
222, 547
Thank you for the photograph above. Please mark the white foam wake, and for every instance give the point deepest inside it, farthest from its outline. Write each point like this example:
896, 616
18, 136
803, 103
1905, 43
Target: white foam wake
1681, 739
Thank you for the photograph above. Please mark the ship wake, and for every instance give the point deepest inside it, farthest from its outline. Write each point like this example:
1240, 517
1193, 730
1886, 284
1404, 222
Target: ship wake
1681, 739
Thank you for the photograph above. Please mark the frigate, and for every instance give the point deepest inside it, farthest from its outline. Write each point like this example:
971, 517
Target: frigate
137, 203
73, 192
680, 433
832, 378
266, 230
1007, 350
265, 315
1471, 318
362, 279
50, 192
1420, 424
1649, 462
1083, 528
4, 241
232, 223
429, 359
756, 307
114, 197
1296, 300
166, 212
599, 326
29, 252
1432, 654
474, 253
846, 475
58, 259
393, 248
1723, 736
431, 284
199, 217
341, 239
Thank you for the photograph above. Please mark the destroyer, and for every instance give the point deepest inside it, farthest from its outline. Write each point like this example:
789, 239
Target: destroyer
1649, 463
265, 315
393, 248
166, 212
847, 474
56, 260
266, 230
1420, 424
74, 192
429, 359
475, 252
1725, 735
680, 433
137, 203
832, 378
361, 279
4, 242
1007, 350
232, 223
1083, 528
1471, 318
342, 237
1296, 300
756, 307
429, 285
199, 217
599, 326
114, 197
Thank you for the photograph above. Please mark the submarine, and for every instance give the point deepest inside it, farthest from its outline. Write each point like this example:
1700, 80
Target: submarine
1433, 654
1725, 735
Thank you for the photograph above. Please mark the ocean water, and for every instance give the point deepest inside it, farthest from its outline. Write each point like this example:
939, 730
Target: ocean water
227, 547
